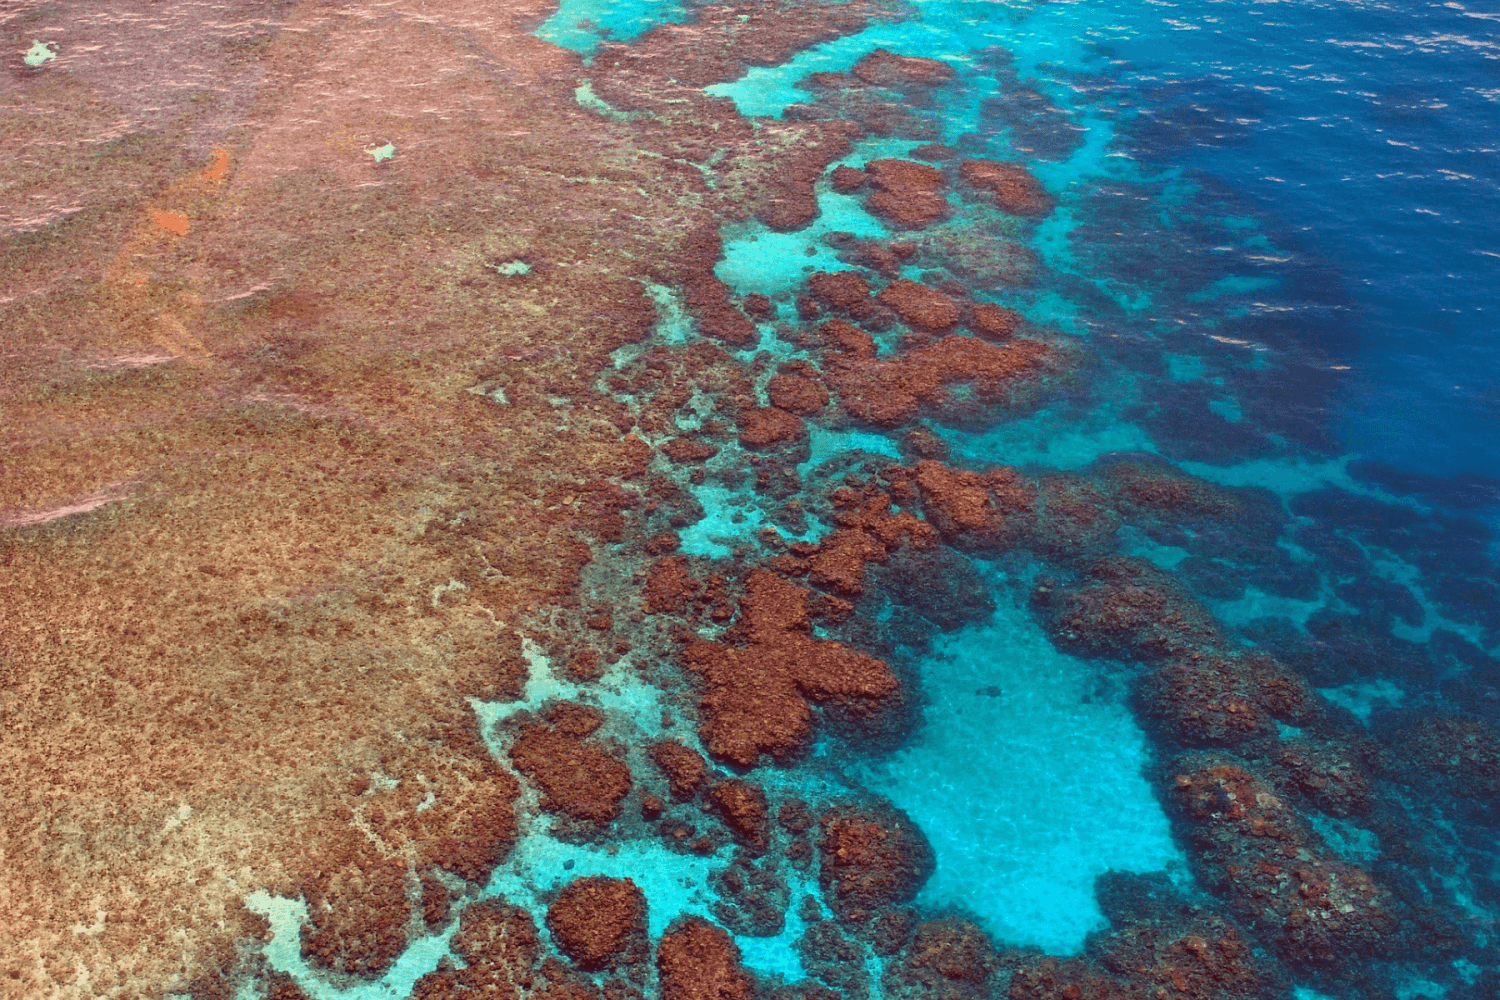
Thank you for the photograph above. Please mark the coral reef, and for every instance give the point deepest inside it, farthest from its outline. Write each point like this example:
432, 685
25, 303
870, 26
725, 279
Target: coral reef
795, 389
742, 806
753, 897
578, 777
832, 958
891, 391
949, 958
698, 961
883, 68
907, 194
920, 307
275, 538
763, 426
872, 857
1010, 185
684, 767
994, 323
1220, 699
500, 948
1205, 960
598, 922
1128, 609
1313, 909
757, 697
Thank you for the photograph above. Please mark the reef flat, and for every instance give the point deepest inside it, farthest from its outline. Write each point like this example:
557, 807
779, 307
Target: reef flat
479, 518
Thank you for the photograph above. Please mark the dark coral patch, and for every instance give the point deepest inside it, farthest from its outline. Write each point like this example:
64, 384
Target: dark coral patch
847, 180
842, 290
795, 391
756, 695
670, 586
1011, 185
882, 68
847, 338
698, 961
742, 806
684, 767
367, 935
834, 959
948, 959
759, 306
1128, 609
1455, 753
500, 948
686, 450
872, 857
1220, 699
921, 307
892, 391
907, 194
753, 897
1157, 946
1063, 516
867, 531
977, 510
761, 427
598, 922
994, 323
1314, 909
1329, 774
577, 777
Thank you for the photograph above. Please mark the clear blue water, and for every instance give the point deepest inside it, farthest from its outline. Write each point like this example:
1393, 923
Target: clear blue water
1355, 144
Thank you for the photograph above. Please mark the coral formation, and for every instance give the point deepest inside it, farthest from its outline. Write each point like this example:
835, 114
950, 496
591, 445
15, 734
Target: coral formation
1128, 609
892, 391
1010, 185
698, 961
949, 958
994, 323
920, 307
752, 897
500, 947
1220, 699
763, 426
907, 194
883, 68
599, 921
743, 808
1204, 958
1314, 909
796, 390
275, 540
757, 696
872, 857
684, 767
578, 778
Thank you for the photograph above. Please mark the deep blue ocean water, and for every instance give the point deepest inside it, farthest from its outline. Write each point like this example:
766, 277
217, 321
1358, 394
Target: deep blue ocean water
1277, 223
1359, 139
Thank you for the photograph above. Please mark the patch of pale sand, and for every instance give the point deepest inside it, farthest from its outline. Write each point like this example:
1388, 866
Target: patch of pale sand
80, 506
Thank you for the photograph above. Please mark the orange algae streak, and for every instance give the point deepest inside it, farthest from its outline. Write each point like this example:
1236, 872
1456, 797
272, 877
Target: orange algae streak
216, 172
171, 222
210, 177
137, 306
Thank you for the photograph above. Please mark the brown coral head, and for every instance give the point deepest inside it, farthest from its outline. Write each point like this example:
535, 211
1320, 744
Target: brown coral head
594, 920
